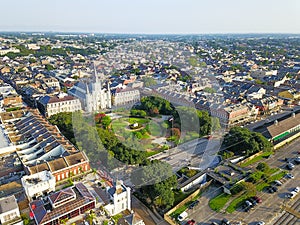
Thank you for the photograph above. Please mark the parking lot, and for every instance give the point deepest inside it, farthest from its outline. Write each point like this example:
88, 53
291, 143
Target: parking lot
271, 209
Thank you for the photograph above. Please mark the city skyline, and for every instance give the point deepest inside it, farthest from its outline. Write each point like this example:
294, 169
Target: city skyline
155, 17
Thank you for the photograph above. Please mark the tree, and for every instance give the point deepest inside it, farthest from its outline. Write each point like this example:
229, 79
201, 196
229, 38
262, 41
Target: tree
242, 141
91, 216
25, 219
64, 221
157, 182
209, 90
149, 81
106, 121
262, 166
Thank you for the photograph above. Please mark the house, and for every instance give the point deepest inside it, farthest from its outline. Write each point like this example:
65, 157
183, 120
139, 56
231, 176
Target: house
9, 211
38, 184
64, 204
120, 198
12, 100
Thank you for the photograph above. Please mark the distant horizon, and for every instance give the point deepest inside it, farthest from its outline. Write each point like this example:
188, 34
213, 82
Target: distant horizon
152, 17
129, 33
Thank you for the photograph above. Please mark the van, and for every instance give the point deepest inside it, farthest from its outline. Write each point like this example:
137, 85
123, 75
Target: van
182, 216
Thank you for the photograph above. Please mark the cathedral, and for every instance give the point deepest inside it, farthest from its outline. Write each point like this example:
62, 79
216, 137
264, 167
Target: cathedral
92, 95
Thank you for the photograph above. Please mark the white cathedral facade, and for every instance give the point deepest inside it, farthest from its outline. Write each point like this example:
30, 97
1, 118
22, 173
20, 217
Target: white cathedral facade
92, 95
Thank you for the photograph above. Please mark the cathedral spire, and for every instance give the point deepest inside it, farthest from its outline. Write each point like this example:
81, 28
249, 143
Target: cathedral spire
97, 80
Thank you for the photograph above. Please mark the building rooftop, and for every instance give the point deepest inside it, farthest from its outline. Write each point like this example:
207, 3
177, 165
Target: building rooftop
284, 125
32, 180
43, 211
7, 204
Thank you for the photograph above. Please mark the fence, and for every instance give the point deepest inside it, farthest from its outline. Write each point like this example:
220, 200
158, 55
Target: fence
167, 216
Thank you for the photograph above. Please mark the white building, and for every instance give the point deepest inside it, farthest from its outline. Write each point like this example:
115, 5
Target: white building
38, 184
59, 103
127, 96
5, 51
120, 197
9, 211
92, 94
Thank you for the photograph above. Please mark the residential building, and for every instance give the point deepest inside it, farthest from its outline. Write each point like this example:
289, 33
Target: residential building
9, 211
65, 204
11, 100
62, 102
38, 184
40, 145
120, 197
7, 50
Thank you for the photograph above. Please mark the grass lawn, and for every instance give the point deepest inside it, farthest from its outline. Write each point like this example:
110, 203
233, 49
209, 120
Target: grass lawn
218, 202
256, 159
262, 186
277, 176
138, 120
119, 124
236, 203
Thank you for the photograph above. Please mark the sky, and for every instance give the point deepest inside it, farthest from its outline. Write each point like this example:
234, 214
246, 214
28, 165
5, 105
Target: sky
151, 16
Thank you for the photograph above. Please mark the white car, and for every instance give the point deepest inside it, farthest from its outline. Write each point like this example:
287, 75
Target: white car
182, 216
277, 182
292, 194
296, 189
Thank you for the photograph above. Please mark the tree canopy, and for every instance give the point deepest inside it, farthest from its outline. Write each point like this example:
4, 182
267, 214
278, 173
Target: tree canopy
242, 141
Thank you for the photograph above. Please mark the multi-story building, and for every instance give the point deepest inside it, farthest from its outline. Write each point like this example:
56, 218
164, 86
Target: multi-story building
38, 184
62, 102
40, 145
127, 96
65, 204
7, 50
9, 211
120, 198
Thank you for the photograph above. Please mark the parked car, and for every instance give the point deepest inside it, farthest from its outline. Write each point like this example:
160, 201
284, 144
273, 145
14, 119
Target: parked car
258, 199
191, 222
260, 223
289, 175
248, 203
292, 194
297, 160
277, 182
296, 189
225, 222
182, 216
290, 166
193, 204
214, 223
253, 201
